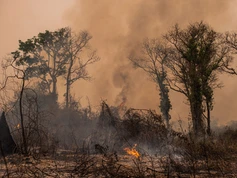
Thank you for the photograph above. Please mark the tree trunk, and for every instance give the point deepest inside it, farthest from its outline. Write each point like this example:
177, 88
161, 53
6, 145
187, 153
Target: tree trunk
196, 113
208, 118
68, 84
165, 104
196, 106
54, 91
67, 94
25, 146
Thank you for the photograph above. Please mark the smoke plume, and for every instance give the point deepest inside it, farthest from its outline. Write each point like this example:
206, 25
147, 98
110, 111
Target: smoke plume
118, 27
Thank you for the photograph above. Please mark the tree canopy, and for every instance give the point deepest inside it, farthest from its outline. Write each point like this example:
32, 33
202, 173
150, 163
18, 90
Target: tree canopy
198, 55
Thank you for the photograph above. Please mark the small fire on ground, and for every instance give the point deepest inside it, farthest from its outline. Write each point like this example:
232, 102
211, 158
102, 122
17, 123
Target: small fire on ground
132, 151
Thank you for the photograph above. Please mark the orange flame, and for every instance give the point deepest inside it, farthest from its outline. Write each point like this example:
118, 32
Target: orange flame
132, 151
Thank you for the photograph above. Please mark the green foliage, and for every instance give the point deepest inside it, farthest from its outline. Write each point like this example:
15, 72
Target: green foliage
43, 56
198, 54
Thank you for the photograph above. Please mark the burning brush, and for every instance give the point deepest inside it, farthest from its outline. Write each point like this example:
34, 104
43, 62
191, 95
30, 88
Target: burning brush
132, 151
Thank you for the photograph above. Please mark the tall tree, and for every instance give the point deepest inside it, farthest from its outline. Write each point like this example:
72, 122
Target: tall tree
46, 56
21, 73
152, 60
199, 54
61, 53
79, 56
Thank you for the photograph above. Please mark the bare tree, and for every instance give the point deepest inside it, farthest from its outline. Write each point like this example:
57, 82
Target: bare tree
152, 60
231, 41
20, 73
24, 106
79, 56
198, 55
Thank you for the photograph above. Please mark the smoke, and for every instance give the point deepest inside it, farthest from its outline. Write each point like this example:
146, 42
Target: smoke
118, 27
20, 20
24, 19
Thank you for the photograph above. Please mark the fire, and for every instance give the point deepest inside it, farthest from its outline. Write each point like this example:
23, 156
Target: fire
132, 151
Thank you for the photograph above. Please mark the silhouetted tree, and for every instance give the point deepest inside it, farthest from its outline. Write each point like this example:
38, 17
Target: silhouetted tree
79, 56
57, 54
45, 57
21, 73
152, 61
231, 41
199, 54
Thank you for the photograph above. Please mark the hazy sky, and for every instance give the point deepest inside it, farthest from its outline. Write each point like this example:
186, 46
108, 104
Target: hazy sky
117, 26
26, 18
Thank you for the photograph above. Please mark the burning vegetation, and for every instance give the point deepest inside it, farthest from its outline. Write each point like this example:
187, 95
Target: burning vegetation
49, 139
106, 150
132, 151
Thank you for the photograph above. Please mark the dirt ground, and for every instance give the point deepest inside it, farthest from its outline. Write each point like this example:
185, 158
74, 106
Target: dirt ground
111, 165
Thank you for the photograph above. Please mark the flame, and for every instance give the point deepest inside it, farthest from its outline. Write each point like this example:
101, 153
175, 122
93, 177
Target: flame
132, 151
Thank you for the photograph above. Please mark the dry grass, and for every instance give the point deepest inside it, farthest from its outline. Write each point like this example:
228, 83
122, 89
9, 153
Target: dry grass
68, 164
163, 153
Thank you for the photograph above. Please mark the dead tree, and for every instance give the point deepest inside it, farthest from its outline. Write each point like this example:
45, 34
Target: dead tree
153, 61
78, 56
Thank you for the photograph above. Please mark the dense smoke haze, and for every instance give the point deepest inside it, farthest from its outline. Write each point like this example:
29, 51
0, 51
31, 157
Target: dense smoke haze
117, 28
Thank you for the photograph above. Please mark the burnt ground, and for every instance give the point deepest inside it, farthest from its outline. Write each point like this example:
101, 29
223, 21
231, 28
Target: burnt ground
69, 164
